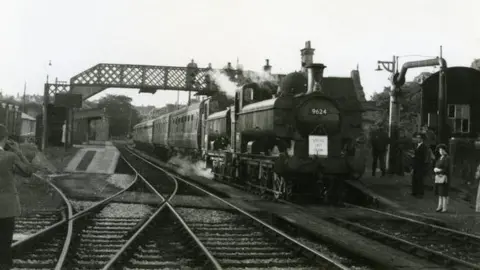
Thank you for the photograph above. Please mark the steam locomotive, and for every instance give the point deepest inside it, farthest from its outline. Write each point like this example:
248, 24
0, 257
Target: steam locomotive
303, 139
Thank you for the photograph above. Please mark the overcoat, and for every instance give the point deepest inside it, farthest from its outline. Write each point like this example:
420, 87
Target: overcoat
9, 199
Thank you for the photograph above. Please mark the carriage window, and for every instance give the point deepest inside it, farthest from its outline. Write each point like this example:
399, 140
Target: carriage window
248, 95
459, 117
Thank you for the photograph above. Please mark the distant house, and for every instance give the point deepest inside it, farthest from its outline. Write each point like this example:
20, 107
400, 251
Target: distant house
27, 130
33, 109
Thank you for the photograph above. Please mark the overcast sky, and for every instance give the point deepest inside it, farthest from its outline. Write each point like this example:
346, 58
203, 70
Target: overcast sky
76, 35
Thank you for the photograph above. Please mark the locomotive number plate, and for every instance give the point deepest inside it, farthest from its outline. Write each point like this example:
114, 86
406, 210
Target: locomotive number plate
318, 145
314, 111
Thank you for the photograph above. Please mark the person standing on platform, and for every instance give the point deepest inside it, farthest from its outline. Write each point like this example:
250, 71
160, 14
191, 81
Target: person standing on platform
442, 175
12, 161
379, 141
420, 160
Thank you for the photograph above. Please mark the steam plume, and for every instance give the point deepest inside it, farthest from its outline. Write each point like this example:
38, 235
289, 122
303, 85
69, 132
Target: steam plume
187, 168
222, 80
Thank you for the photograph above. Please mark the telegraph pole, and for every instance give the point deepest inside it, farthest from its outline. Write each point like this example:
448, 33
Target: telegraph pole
394, 108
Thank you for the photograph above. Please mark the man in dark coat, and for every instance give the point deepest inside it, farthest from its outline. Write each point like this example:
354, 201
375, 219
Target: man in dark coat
379, 141
420, 166
12, 161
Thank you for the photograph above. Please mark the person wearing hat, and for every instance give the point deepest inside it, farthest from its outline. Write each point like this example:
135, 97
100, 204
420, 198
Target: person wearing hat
12, 161
420, 168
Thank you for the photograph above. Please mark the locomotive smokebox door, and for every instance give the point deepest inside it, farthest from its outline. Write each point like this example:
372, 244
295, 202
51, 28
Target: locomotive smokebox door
317, 115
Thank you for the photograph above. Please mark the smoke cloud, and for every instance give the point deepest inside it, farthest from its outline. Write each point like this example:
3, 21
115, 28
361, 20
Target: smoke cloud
188, 168
222, 80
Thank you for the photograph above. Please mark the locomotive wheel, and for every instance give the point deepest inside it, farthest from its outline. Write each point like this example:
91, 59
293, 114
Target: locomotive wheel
281, 189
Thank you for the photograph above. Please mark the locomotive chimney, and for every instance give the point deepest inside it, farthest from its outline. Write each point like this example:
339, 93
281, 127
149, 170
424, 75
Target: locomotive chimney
267, 68
315, 77
307, 55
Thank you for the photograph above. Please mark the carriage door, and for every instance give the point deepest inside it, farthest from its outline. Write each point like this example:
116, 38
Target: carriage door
203, 125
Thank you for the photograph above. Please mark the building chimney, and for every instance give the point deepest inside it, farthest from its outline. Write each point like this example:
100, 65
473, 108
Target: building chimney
267, 68
307, 55
315, 77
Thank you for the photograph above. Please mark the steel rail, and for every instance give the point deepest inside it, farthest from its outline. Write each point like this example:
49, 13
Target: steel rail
84, 213
413, 246
166, 203
69, 220
29, 241
464, 234
265, 225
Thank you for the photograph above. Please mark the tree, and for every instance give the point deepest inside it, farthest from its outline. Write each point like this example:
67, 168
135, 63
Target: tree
119, 110
476, 64
410, 103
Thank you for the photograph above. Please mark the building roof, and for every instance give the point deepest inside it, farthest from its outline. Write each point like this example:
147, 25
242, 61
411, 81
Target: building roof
27, 117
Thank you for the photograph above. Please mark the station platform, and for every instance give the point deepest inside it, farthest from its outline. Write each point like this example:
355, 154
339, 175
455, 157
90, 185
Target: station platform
395, 192
101, 158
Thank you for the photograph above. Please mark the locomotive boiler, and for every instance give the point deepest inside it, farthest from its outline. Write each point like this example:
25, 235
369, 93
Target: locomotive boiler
298, 141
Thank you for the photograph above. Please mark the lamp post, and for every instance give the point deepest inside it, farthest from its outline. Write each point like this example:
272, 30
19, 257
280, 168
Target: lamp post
392, 67
46, 97
49, 65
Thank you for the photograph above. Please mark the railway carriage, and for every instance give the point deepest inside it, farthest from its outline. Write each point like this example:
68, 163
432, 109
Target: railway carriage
183, 136
161, 125
143, 134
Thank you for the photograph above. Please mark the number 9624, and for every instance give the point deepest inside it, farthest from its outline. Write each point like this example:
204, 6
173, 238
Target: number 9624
318, 111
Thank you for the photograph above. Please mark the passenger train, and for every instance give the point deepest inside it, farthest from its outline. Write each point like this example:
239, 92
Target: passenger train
302, 139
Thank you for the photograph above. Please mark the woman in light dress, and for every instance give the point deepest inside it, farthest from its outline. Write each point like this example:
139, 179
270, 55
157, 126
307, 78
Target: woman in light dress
442, 178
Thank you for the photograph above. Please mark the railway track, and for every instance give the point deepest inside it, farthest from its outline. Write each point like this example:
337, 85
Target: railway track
84, 240
98, 234
434, 242
164, 241
443, 246
228, 239
47, 237
36, 221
